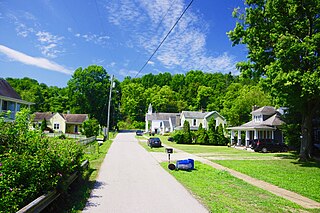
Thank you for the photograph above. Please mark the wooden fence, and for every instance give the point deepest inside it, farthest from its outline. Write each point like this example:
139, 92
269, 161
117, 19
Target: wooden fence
44, 200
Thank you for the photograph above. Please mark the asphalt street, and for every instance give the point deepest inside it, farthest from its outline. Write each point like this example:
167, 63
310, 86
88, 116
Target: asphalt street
131, 180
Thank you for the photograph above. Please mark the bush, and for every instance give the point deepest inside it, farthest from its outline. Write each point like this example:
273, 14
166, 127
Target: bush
31, 164
178, 136
90, 128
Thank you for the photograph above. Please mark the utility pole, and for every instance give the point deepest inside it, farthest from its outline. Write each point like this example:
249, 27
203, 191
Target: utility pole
108, 120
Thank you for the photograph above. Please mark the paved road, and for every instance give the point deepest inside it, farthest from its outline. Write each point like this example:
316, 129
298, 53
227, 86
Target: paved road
131, 180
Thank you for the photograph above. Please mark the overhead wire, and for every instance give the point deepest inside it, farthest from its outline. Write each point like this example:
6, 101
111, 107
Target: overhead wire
163, 40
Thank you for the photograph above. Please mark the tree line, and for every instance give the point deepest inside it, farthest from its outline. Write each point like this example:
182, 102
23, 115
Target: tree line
87, 92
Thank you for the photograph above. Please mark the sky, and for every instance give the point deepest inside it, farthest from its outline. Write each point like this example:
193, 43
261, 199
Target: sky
48, 40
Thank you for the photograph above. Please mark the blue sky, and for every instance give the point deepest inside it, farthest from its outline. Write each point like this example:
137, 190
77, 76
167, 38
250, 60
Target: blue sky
48, 39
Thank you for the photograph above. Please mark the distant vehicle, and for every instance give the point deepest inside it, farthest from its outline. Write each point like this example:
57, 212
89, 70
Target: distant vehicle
268, 145
170, 139
139, 132
154, 142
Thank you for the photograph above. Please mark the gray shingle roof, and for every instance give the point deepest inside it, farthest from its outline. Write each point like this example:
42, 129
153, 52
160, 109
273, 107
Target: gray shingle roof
75, 118
39, 116
7, 91
194, 114
266, 110
161, 116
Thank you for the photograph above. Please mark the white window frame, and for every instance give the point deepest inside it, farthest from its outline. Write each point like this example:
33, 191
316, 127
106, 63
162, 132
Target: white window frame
56, 126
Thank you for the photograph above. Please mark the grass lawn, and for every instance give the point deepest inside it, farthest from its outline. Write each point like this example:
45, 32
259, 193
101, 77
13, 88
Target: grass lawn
143, 142
221, 192
302, 178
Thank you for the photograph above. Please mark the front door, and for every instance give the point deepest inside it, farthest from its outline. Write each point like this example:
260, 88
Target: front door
76, 129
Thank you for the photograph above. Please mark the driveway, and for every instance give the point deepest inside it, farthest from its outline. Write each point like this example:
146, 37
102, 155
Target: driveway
131, 180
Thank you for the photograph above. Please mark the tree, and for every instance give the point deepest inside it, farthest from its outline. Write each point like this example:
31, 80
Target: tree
90, 128
187, 133
88, 92
202, 135
283, 41
133, 103
44, 125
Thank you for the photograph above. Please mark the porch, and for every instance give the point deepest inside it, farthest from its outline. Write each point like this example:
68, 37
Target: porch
251, 133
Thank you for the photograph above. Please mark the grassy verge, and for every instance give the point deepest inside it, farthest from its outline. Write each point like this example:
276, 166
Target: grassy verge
221, 192
302, 178
79, 192
143, 143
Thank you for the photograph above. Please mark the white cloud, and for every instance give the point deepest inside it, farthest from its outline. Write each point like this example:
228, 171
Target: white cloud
126, 72
34, 61
186, 45
151, 63
96, 39
26, 25
49, 44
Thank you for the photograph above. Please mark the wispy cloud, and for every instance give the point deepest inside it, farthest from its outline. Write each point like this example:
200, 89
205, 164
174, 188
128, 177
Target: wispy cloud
26, 25
185, 47
96, 39
34, 61
49, 43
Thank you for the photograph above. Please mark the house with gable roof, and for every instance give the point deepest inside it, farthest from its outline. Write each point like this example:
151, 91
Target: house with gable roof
161, 123
58, 122
265, 124
196, 118
10, 100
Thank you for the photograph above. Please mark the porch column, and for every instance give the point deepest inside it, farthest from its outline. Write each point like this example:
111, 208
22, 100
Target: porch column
147, 124
272, 135
0, 105
15, 110
232, 137
239, 137
255, 134
247, 137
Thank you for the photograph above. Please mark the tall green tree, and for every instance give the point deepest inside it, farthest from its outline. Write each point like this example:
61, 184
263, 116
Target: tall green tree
133, 103
283, 41
88, 92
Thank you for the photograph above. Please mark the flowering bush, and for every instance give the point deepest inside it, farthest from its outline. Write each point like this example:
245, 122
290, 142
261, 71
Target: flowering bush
31, 164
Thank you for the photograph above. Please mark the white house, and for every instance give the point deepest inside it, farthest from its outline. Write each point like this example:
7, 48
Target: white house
265, 124
161, 123
10, 100
196, 118
58, 122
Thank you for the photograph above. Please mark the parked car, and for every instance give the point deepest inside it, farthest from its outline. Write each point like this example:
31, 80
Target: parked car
170, 139
139, 132
154, 142
268, 145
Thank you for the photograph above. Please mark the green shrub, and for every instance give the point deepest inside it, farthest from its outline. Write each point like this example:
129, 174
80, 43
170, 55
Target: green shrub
90, 127
31, 164
178, 136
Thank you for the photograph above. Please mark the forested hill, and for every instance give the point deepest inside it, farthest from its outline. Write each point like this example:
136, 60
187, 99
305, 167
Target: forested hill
87, 92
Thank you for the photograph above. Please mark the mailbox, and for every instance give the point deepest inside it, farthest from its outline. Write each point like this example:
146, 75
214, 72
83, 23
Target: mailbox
169, 150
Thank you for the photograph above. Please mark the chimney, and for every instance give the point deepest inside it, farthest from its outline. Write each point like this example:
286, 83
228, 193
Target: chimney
255, 107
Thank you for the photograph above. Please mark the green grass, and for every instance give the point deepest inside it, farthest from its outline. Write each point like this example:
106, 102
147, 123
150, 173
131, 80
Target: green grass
221, 192
220, 151
143, 142
302, 178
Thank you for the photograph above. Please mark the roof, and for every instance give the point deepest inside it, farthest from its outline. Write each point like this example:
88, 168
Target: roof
166, 123
9, 94
7, 91
39, 116
161, 116
266, 110
270, 123
194, 114
75, 118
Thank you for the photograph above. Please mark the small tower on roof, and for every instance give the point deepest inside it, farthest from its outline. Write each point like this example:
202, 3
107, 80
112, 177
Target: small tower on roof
150, 109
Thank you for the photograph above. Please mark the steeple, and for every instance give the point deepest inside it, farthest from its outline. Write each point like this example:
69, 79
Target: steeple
150, 109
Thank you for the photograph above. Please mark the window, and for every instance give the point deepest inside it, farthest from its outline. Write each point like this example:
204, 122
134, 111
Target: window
4, 105
194, 122
257, 118
56, 126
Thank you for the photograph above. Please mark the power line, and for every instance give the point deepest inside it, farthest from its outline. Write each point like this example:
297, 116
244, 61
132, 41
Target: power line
145, 64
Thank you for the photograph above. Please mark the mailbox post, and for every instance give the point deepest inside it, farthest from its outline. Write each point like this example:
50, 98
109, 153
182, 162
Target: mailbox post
171, 166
